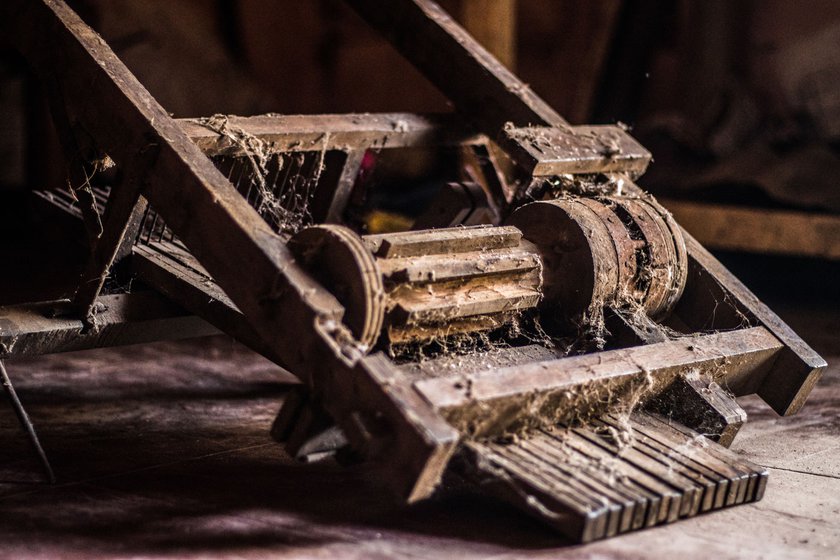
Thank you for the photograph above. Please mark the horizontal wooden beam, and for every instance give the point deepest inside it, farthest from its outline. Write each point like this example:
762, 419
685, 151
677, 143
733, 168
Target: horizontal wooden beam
568, 389
347, 132
41, 328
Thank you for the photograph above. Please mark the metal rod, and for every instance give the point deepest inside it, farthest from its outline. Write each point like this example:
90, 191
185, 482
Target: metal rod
25, 422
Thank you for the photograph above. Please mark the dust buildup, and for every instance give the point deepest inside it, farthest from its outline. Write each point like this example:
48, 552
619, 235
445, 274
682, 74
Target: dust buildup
280, 186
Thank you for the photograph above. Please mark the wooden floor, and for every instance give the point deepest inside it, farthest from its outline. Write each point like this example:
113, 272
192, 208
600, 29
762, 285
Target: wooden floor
163, 451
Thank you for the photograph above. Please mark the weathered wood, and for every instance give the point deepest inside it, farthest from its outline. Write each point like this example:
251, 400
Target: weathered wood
41, 328
123, 214
481, 89
176, 274
700, 403
459, 265
414, 306
456, 280
545, 151
205, 210
148, 453
343, 187
798, 368
339, 259
293, 314
540, 393
317, 133
434, 242
613, 250
583, 484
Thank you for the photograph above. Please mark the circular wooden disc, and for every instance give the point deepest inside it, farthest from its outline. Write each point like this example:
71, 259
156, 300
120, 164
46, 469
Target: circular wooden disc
681, 253
336, 257
657, 275
580, 262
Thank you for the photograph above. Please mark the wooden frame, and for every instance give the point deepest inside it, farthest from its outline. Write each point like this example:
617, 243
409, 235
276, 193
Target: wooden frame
409, 428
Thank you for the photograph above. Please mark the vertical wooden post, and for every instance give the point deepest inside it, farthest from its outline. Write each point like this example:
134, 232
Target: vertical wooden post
493, 24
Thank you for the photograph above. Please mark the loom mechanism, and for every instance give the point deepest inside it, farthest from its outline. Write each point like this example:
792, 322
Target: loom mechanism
571, 351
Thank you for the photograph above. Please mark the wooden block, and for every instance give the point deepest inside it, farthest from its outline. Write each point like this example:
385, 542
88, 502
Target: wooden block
548, 151
438, 242
698, 402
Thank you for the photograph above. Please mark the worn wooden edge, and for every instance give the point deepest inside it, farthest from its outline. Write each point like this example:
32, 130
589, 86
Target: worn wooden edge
786, 385
344, 132
415, 452
178, 277
40, 328
572, 388
549, 151
586, 485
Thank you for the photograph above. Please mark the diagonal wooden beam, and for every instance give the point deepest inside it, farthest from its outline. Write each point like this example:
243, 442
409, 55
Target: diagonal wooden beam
292, 313
479, 86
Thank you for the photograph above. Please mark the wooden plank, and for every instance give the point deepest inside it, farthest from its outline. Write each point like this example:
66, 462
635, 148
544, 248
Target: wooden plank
453, 266
40, 328
494, 401
584, 484
547, 151
354, 131
439, 242
698, 402
342, 190
123, 215
479, 86
416, 306
759, 230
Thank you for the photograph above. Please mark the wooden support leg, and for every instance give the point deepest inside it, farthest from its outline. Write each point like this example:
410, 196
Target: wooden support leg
25, 422
697, 402
123, 216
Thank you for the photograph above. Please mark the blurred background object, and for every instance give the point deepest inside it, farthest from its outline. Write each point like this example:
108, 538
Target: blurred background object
738, 100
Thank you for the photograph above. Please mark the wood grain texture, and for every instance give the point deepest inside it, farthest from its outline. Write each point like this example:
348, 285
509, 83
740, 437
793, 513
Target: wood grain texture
588, 486
291, 133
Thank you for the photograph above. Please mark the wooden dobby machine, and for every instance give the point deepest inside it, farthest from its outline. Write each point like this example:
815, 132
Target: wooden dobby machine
547, 334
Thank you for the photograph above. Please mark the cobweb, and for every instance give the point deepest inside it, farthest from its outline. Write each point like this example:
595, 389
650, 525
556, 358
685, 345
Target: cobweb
280, 186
